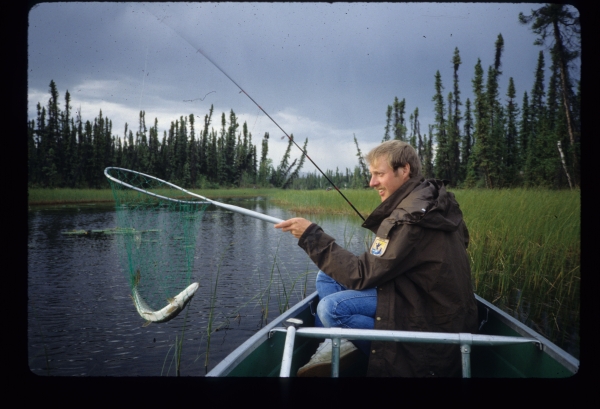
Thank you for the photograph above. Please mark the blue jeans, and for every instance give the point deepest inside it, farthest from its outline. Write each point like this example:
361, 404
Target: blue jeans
342, 308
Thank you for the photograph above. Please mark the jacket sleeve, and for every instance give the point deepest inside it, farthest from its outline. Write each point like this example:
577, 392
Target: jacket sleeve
366, 270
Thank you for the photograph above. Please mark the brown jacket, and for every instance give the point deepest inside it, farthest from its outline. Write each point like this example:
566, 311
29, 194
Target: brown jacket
422, 275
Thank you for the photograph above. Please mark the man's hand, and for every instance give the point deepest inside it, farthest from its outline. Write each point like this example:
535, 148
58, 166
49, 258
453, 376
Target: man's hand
296, 226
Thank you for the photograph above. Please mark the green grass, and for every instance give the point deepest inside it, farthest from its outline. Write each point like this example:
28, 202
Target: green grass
525, 251
39, 196
330, 202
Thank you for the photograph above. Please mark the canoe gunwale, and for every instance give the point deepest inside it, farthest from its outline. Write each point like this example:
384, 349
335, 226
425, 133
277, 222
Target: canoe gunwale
564, 358
230, 362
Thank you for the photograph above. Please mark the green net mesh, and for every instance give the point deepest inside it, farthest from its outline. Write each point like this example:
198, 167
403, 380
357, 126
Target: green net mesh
157, 226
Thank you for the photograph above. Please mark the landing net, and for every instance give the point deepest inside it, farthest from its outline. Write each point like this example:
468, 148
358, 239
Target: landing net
157, 226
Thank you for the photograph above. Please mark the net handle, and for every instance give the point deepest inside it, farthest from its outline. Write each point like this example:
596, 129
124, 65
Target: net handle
233, 208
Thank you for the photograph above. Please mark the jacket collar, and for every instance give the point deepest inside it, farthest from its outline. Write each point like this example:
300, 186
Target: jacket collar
386, 207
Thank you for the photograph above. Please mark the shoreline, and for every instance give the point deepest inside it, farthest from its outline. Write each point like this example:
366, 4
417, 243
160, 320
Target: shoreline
63, 196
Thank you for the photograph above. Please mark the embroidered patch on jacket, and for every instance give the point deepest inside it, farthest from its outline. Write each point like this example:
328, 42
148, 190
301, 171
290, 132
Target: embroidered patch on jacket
379, 246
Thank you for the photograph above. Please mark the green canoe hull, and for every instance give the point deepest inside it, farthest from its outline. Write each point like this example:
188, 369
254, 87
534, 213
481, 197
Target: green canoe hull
261, 355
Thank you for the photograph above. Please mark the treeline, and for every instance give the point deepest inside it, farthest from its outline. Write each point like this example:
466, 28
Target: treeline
65, 151
496, 142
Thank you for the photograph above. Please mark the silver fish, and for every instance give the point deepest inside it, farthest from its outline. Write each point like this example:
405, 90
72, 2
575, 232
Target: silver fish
170, 311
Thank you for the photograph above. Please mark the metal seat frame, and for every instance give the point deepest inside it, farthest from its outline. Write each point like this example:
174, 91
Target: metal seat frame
465, 340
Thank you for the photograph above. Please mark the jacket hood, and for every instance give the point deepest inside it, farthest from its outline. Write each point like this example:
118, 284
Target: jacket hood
425, 202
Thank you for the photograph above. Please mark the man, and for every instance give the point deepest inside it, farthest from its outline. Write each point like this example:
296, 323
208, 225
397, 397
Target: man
416, 276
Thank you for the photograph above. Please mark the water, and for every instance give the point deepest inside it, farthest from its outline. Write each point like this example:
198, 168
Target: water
81, 318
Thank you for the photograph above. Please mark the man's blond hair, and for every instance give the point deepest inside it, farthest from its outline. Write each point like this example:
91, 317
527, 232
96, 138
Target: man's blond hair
398, 154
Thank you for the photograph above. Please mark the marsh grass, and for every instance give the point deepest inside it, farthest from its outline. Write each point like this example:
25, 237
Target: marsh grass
330, 202
35, 318
39, 196
525, 251
287, 285
178, 345
66, 196
283, 284
211, 313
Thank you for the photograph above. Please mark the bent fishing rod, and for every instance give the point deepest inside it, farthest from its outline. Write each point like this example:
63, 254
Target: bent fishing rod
284, 132
269, 116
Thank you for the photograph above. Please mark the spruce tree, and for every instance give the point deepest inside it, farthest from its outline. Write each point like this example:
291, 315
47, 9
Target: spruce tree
192, 164
212, 158
557, 21
229, 165
512, 148
294, 174
204, 145
142, 145
98, 143
77, 131
164, 157
242, 157
52, 150
478, 170
153, 149
416, 129
41, 145
495, 130
69, 143
428, 155
524, 135
454, 138
32, 162
442, 155
388, 116
363, 170
282, 171
264, 168
467, 142
537, 114
399, 127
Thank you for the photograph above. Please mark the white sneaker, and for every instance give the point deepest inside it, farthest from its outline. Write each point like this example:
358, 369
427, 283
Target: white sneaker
320, 362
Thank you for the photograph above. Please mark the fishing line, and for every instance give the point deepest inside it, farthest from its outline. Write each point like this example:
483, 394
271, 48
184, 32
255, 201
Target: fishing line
256, 120
199, 50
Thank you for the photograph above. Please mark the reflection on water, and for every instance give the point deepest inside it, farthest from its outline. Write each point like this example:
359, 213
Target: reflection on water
81, 318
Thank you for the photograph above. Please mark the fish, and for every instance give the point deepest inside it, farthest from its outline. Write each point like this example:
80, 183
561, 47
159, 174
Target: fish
171, 310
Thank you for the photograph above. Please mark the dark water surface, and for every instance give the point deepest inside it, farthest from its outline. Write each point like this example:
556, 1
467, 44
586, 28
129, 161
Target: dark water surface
81, 318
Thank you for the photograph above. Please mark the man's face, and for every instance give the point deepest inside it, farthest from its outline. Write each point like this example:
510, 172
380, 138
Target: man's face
385, 180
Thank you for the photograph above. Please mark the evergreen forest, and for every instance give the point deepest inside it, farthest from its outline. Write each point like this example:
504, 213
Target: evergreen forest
500, 139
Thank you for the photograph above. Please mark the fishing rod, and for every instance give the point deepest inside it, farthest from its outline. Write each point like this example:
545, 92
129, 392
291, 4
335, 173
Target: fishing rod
269, 116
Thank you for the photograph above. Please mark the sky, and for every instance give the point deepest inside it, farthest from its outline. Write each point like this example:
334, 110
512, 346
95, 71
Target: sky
326, 72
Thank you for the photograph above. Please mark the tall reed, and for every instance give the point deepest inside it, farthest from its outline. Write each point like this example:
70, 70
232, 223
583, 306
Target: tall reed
525, 251
211, 314
32, 309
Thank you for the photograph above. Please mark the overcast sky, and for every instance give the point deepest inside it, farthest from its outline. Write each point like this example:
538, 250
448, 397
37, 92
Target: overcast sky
323, 71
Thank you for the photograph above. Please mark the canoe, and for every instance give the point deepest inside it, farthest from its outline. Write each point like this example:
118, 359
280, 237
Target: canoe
503, 347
